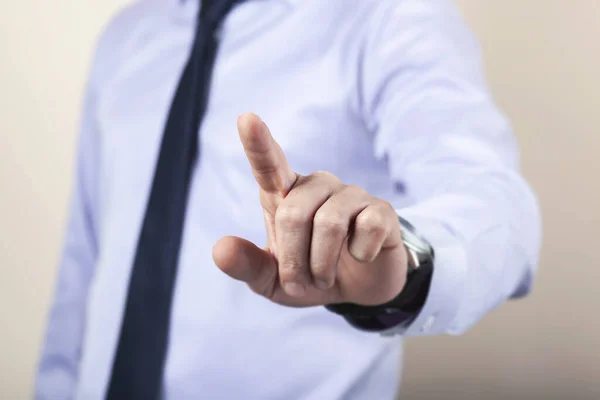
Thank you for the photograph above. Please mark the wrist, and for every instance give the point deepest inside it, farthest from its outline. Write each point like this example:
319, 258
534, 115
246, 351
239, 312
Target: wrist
405, 307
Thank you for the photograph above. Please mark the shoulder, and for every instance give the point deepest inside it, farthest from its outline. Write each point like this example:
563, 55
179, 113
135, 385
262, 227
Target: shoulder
419, 28
123, 32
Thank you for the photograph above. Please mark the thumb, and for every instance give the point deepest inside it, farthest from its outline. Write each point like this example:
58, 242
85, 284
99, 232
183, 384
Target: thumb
244, 261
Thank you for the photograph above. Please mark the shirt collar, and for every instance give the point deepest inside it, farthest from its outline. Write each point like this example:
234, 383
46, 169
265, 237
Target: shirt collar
290, 2
186, 10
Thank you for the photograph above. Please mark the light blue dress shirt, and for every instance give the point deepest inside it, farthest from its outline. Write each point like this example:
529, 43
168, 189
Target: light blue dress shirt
385, 94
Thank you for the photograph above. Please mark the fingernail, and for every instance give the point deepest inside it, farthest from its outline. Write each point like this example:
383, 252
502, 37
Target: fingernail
322, 284
294, 289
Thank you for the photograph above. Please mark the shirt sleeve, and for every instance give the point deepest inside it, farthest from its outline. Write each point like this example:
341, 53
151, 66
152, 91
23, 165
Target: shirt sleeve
57, 370
59, 362
425, 99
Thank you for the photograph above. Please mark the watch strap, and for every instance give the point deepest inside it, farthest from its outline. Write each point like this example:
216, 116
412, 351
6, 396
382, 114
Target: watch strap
400, 311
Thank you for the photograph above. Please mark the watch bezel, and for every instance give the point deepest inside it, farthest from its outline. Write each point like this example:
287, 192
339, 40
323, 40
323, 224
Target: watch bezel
418, 248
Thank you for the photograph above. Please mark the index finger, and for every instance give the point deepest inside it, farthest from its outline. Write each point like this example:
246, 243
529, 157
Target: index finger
269, 165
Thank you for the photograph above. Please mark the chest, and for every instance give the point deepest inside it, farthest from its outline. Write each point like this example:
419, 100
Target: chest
305, 87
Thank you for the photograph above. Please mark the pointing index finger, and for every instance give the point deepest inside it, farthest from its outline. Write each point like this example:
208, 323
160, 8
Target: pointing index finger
269, 165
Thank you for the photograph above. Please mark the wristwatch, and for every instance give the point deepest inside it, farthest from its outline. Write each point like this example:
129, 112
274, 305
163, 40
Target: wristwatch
397, 314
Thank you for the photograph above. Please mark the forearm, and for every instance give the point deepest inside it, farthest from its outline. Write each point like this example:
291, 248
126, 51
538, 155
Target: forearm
485, 230
435, 123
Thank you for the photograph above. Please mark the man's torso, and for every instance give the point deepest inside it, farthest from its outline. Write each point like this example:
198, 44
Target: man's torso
298, 66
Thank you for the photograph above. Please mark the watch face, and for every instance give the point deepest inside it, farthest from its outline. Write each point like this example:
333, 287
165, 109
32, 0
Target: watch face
412, 239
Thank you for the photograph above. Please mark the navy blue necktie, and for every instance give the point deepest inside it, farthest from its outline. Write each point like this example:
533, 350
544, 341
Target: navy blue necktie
138, 365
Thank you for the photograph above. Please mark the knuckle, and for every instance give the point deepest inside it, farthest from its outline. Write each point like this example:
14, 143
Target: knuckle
266, 169
355, 190
330, 222
371, 222
385, 206
290, 266
291, 215
325, 175
293, 272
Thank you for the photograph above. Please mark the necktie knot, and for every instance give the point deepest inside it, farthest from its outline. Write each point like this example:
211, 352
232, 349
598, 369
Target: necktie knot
213, 12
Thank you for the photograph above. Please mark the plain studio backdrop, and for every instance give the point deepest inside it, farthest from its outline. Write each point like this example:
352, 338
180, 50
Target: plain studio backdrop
543, 64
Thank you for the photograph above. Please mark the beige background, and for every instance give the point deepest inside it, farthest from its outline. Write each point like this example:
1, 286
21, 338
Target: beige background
543, 59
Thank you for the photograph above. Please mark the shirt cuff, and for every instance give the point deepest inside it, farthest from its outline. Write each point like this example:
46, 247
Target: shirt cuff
449, 273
